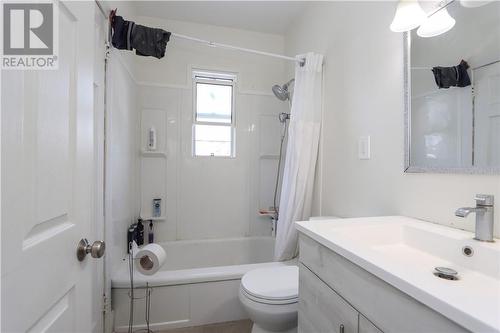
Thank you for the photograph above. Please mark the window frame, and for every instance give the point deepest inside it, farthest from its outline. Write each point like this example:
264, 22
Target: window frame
221, 79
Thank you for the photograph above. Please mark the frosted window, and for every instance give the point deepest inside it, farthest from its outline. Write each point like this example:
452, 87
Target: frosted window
213, 140
214, 103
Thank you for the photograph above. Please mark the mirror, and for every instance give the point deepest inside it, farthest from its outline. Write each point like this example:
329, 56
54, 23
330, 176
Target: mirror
454, 129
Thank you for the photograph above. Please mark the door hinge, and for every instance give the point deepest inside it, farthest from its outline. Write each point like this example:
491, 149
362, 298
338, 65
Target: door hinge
107, 50
105, 304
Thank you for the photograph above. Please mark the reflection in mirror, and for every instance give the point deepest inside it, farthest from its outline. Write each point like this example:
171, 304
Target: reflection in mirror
453, 111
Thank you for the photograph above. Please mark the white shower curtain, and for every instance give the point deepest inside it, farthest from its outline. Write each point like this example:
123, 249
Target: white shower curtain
301, 155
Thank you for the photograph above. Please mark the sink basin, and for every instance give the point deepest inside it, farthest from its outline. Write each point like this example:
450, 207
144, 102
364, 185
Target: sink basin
404, 252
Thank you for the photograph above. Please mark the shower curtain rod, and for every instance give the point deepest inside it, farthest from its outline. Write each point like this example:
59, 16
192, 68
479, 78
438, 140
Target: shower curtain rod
301, 61
237, 48
474, 68
221, 45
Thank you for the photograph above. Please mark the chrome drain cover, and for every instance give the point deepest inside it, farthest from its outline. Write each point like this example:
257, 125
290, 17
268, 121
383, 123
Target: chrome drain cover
446, 273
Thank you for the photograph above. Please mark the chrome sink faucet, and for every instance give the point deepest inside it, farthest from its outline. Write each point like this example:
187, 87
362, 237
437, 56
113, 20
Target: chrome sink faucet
484, 216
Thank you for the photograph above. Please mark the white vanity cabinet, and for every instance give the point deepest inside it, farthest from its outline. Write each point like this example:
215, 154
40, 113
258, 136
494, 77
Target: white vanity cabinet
335, 295
321, 309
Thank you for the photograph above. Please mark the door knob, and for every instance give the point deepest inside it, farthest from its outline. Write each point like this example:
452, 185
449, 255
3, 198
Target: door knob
96, 250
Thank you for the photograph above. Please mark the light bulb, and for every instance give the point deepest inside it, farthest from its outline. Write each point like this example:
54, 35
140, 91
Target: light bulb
408, 16
437, 24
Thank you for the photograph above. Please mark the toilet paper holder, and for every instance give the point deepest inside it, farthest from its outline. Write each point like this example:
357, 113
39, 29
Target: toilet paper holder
146, 262
149, 258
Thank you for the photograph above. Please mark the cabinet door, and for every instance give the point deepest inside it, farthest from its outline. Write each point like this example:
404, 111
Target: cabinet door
366, 326
322, 310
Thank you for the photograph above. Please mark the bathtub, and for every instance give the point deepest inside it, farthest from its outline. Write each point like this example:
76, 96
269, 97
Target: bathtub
197, 285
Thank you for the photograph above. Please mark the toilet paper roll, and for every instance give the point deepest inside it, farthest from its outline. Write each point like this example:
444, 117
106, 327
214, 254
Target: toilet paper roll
150, 258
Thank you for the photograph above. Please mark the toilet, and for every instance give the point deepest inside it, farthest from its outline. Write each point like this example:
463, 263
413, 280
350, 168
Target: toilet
270, 297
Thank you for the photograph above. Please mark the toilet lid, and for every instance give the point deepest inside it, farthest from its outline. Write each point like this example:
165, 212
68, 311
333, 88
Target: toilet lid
275, 283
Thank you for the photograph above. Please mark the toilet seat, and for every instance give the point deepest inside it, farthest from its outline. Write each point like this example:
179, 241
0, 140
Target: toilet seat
275, 285
269, 301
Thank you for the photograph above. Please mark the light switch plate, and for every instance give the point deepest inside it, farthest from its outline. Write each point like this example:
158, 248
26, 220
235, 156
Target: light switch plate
364, 148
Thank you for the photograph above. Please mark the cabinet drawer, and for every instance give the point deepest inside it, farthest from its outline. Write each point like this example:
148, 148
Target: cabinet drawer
322, 310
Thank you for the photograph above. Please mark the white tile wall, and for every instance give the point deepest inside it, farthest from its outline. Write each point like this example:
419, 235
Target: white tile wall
122, 168
208, 197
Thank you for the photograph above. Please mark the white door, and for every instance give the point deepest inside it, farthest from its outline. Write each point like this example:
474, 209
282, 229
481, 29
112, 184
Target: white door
48, 177
487, 116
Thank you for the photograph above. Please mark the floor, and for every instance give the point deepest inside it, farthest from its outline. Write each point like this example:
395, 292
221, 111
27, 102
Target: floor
240, 326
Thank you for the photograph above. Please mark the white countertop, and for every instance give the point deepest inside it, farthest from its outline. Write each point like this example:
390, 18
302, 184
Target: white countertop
404, 252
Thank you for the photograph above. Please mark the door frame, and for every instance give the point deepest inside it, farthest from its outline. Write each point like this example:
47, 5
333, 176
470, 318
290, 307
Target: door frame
100, 163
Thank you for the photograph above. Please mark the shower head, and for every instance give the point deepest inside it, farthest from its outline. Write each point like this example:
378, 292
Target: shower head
282, 92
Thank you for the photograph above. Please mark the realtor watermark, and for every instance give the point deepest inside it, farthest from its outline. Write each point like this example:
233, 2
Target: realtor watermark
30, 35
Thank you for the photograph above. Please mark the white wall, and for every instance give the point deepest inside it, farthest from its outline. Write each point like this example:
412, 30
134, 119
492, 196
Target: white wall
363, 95
209, 197
122, 168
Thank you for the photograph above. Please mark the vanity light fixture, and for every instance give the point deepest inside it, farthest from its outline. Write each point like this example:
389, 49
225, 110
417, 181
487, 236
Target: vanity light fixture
408, 16
436, 24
